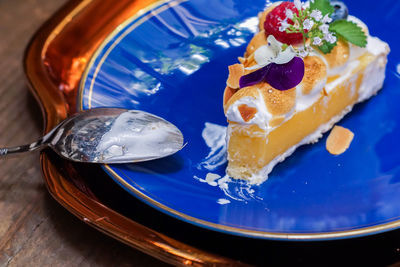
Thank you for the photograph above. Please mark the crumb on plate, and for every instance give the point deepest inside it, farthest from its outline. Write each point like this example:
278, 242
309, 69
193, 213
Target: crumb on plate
339, 140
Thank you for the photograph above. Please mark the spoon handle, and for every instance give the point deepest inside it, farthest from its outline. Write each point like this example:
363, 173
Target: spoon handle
21, 149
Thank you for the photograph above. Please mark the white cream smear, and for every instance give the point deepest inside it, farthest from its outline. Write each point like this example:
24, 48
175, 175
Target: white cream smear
233, 189
223, 201
214, 137
133, 136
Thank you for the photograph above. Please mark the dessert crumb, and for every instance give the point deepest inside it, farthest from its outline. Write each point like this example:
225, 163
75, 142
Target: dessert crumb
339, 140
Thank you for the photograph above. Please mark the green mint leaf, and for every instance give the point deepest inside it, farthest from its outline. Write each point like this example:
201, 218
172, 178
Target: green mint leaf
349, 31
326, 47
322, 5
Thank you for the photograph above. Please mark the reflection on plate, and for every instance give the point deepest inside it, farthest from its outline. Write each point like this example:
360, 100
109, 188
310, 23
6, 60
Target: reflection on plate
171, 60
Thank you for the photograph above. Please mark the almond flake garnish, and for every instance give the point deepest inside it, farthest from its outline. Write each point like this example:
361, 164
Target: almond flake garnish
339, 140
235, 72
247, 112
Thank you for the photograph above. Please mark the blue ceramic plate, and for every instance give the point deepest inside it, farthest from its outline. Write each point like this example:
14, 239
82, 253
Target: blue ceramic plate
171, 60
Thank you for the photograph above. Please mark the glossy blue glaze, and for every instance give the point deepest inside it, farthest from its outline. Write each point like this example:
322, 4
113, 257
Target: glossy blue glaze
174, 65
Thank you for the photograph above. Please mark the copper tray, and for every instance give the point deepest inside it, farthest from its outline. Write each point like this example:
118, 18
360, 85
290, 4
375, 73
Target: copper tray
54, 63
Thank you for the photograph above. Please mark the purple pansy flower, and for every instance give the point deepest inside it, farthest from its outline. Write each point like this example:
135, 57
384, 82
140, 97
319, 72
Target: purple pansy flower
279, 76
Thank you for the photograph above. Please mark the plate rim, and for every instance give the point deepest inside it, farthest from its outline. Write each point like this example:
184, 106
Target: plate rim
376, 228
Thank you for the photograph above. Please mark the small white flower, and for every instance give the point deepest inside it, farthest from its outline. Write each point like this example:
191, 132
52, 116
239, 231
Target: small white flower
308, 24
297, 4
326, 19
324, 28
316, 14
289, 14
272, 53
302, 52
317, 41
330, 38
284, 25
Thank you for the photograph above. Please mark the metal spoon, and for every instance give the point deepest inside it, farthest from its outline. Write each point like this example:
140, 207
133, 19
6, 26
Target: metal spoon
109, 135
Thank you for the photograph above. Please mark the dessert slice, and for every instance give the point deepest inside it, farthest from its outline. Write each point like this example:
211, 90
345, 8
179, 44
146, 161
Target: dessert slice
301, 73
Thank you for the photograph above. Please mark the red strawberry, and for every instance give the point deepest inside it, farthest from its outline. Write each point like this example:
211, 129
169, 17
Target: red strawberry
273, 22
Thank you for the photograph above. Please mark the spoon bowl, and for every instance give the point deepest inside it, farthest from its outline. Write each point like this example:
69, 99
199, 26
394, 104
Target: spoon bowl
109, 136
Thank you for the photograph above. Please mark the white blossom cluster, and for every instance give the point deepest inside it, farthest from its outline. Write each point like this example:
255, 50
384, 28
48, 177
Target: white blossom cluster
311, 23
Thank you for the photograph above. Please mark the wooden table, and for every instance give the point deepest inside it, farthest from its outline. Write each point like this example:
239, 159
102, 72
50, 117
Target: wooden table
34, 229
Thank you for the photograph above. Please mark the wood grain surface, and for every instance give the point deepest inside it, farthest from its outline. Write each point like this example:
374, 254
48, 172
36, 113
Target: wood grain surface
34, 229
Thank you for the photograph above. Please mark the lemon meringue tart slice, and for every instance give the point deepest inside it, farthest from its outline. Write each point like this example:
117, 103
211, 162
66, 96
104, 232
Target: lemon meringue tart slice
295, 82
